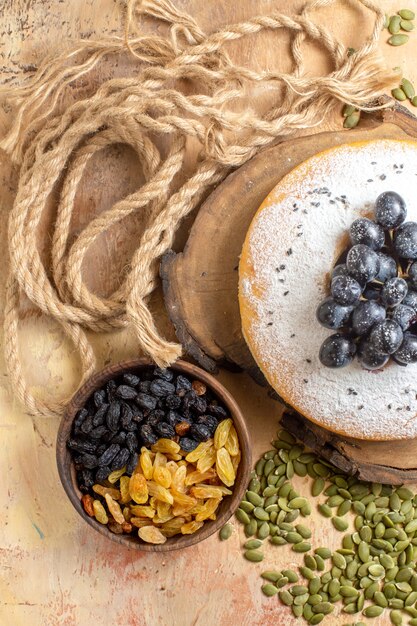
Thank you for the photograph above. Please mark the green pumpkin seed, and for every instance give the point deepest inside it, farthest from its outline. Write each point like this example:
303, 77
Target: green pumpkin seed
400, 546
297, 610
317, 486
282, 582
380, 599
242, 516
373, 611
286, 597
323, 607
268, 456
306, 509
413, 621
335, 500
324, 553
246, 506
334, 587
406, 14
339, 560
250, 529
278, 541
398, 40
394, 24
299, 468
290, 467
331, 490
269, 590
321, 470
316, 619
348, 592
270, 575
293, 537
297, 503
344, 507
320, 563
252, 544
326, 578
340, 524
325, 510
389, 591
351, 570
404, 575
301, 547
376, 570
407, 25
254, 498
315, 599
291, 516
263, 530
396, 603
358, 507
314, 585
291, 575
386, 561
260, 514
395, 617
363, 552
307, 572
365, 533
348, 109
351, 121
298, 590
310, 561
284, 435
411, 599
253, 555
411, 527
403, 586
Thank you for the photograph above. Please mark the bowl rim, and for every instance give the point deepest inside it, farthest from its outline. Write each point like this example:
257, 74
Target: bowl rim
67, 473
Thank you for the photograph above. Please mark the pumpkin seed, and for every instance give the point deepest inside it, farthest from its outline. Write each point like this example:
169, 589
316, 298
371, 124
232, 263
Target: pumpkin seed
365, 533
395, 617
263, 530
299, 468
348, 592
301, 547
363, 552
373, 611
278, 541
389, 591
291, 575
323, 607
396, 603
325, 510
242, 516
297, 503
339, 560
348, 109
403, 586
321, 470
270, 575
334, 587
344, 507
411, 527
324, 553
411, 599
394, 24
290, 467
307, 572
246, 506
351, 121
380, 599
293, 537
406, 14
316, 619
253, 555
377, 571
310, 561
358, 507
297, 610
252, 544
398, 40
404, 575
282, 582
298, 590
269, 590
407, 25
260, 514
225, 532
386, 561
250, 529
286, 597
254, 498
284, 435
340, 524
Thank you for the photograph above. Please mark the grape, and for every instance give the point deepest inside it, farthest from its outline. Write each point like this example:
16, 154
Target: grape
407, 352
370, 358
362, 263
386, 337
332, 315
346, 290
367, 232
405, 241
387, 267
337, 351
394, 291
404, 316
412, 275
366, 315
390, 210
411, 299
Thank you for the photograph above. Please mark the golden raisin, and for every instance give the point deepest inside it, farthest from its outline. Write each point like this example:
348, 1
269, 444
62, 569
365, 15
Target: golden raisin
100, 512
160, 492
141, 510
224, 467
101, 490
162, 476
201, 449
114, 508
222, 433
114, 476
87, 502
207, 491
191, 527
167, 446
127, 527
208, 508
146, 463
207, 460
199, 387
138, 488
182, 428
151, 534
232, 442
124, 489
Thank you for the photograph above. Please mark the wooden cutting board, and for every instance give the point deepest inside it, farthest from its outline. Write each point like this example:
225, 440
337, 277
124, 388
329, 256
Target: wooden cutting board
201, 287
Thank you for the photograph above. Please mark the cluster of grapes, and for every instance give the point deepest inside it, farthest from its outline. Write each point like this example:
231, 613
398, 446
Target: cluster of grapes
373, 300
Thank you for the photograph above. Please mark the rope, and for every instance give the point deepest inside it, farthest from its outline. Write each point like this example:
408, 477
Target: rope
53, 149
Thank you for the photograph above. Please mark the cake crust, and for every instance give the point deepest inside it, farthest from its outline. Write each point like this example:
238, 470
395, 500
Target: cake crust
292, 244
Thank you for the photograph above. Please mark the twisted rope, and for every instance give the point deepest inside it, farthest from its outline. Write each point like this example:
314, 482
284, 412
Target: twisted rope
51, 145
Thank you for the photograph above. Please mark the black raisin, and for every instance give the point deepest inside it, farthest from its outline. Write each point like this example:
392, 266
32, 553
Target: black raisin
187, 444
125, 392
188, 401
209, 421
100, 415
111, 390
119, 438
146, 401
173, 402
102, 473
182, 385
165, 430
89, 461
80, 480
108, 455
166, 374
138, 416
99, 397
133, 426
217, 411
161, 388
82, 446
132, 463
127, 416
87, 478
87, 425
113, 415
132, 442
173, 418
200, 432
199, 405
79, 418
144, 386
131, 379
120, 459
148, 435
98, 432
155, 417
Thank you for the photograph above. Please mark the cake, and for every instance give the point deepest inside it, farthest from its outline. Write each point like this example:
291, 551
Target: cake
295, 240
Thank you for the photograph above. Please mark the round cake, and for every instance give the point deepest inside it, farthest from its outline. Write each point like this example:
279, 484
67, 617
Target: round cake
295, 240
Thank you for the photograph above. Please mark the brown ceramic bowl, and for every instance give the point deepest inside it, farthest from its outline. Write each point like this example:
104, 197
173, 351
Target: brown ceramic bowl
67, 471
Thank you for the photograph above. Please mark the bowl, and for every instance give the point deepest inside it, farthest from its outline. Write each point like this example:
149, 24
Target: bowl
67, 472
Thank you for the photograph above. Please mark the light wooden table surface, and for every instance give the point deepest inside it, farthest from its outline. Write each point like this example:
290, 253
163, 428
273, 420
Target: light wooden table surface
54, 570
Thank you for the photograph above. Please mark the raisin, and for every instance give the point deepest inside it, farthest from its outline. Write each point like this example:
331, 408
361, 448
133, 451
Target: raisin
173, 418
144, 386
100, 415
200, 432
148, 435
188, 445
79, 418
87, 425
165, 374
125, 392
145, 401
89, 461
217, 411
108, 455
86, 477
131, 379
127, 415
119, 438
101, 449
113, 415
172, 402
138, 416
199, 387
199, 404
111, 390
155, 417
188, 401
87, 502
133, 426
161, 388
182, 385
120, 459
82, 446
132, 442
165, 430
99, 432
132, 462
209, 421
102, 473
99, 397
182, 428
